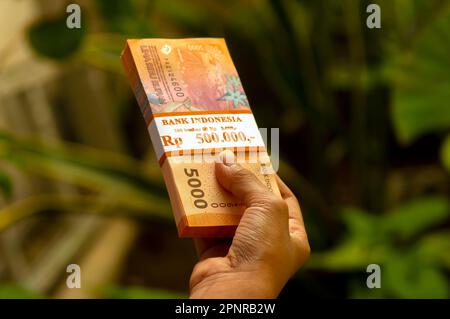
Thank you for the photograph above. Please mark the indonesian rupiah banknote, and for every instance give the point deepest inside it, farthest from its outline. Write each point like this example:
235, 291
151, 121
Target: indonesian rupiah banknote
194, 105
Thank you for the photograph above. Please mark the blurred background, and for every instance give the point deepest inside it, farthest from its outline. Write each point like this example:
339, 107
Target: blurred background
364, 120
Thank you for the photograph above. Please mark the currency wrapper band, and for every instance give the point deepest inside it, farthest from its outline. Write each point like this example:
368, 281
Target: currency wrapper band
194, 105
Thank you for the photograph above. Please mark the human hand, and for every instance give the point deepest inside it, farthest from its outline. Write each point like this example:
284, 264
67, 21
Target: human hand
269, 246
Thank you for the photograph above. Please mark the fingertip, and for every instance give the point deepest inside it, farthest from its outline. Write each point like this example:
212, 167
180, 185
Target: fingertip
227, 158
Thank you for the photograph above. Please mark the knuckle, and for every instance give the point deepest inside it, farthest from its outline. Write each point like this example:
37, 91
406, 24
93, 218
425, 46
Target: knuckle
241, 173
279, 205
239, 176
261, 198
268, 203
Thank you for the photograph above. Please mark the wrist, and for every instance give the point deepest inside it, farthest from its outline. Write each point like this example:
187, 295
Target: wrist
234, 287
236, 284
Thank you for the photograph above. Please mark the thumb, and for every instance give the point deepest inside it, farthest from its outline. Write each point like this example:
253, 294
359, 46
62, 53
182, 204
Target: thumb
242, 183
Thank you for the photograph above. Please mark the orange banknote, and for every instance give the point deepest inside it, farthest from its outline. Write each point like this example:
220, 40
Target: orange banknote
194, 105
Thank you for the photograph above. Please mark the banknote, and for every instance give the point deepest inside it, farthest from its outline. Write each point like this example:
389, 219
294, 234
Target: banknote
195, 106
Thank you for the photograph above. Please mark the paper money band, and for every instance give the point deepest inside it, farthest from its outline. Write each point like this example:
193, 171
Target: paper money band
178, 134
250, 154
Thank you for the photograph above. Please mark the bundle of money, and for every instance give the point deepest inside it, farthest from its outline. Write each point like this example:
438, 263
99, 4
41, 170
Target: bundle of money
195, 107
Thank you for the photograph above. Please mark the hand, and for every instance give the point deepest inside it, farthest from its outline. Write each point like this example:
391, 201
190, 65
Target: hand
269, 246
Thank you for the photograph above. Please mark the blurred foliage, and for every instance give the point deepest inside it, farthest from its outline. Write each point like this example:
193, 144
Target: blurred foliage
355, 103
423, 84
413, 265
131, 292
118, 181
53, 39
445, 154
6, 185
13, 291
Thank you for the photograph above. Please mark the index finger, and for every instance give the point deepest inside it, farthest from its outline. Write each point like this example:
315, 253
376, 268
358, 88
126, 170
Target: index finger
295, 211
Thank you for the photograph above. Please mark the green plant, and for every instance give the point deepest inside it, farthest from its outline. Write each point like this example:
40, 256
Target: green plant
413, 260
6, 185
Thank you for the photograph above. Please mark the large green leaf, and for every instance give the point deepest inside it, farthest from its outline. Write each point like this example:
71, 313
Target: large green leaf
364, 244
53, 39
371, 239
405, 276
362, 225
349, 255
415, 216
435, 248
422, 84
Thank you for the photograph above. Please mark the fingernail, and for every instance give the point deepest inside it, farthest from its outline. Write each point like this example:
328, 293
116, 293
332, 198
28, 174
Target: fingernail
227, 158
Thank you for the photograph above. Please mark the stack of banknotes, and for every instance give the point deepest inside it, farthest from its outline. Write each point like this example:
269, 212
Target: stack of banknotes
194, 106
